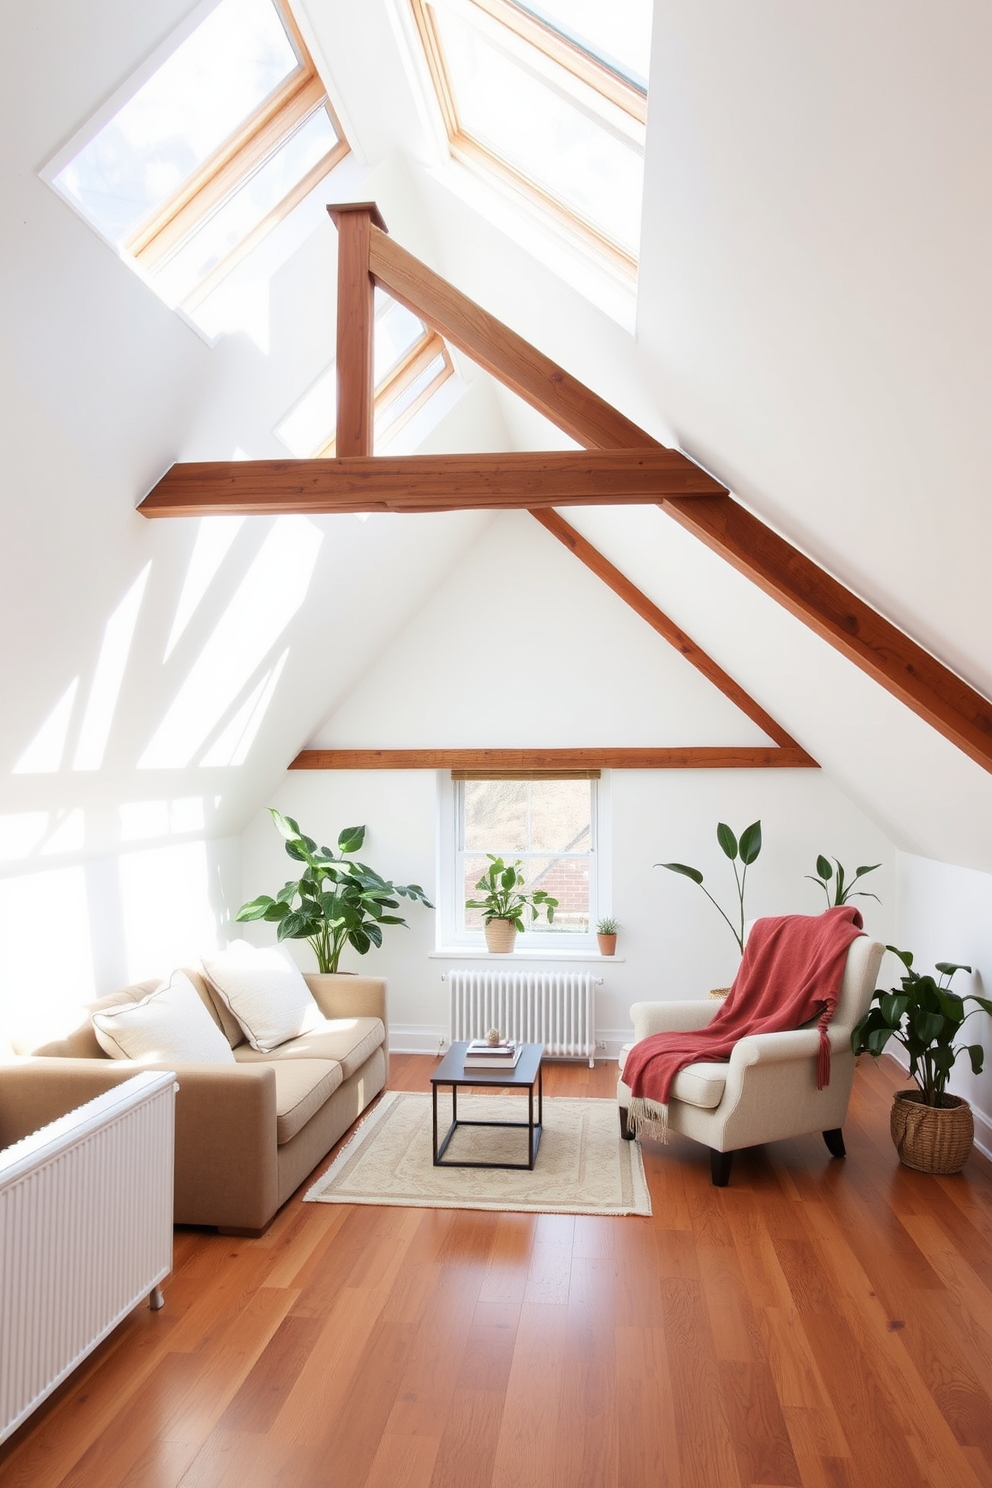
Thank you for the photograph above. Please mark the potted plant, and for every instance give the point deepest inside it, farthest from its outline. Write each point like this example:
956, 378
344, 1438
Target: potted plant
745, 850
839, 890
505, 898
606, 935
341, 901
932, 1131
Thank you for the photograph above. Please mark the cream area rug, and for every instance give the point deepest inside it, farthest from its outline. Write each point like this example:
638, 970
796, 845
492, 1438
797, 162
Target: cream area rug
583, 1165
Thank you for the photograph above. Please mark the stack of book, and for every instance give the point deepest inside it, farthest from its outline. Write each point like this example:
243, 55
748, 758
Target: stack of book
481, 1055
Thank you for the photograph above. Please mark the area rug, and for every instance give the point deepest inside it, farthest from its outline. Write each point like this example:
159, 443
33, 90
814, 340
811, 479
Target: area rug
583, 1165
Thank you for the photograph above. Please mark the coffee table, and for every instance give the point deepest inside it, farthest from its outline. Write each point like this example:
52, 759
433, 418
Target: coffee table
525, 1075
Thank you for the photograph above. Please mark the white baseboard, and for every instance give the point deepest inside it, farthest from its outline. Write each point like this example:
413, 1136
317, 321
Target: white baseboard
416, 1038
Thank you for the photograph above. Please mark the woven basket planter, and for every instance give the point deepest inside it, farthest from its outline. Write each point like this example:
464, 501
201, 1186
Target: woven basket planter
501, 936
931, 1139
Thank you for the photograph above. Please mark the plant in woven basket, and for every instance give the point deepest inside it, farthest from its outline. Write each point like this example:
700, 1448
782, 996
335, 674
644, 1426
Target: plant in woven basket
926, 1018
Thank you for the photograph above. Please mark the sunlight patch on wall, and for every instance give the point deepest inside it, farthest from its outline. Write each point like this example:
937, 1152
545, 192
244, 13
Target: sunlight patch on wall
38, 991
232, 747
68, 835
107, 678
271, 593
43, 755
166, 912
20, 833
213, 540
141, 820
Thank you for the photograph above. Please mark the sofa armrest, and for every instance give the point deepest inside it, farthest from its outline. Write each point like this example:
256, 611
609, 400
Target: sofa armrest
340, 995
226, 1159
672, 1017
775, 1048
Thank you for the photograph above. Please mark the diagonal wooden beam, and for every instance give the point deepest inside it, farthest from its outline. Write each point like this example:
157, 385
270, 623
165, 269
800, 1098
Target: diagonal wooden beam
419, 483
856, 630
746, 757
666, 627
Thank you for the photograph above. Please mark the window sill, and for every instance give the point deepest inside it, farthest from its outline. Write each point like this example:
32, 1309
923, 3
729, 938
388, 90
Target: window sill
472, 953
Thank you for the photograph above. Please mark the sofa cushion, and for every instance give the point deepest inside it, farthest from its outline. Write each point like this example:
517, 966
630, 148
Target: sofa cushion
302, 1087
265, 991
348, 1041
215, 1005
170, 1023
701, 1084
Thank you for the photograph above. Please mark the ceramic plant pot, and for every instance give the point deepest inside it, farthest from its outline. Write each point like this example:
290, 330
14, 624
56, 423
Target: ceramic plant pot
501, 936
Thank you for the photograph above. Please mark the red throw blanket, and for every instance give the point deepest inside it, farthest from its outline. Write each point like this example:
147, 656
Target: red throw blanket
790, 973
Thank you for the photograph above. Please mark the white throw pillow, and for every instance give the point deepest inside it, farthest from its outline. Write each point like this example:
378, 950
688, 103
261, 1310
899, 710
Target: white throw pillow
170, 1024
265, 990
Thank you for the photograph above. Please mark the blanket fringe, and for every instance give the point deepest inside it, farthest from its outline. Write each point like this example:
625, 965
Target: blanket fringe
647, 1118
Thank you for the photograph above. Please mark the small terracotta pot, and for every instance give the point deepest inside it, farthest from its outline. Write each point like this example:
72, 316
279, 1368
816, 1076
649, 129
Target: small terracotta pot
607, 945
501, 936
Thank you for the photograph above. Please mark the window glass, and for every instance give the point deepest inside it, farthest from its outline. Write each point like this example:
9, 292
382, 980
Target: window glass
548, 825
210, 84
619, 33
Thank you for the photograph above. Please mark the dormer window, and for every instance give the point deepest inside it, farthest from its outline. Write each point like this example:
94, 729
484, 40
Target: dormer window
553, 99
213, 148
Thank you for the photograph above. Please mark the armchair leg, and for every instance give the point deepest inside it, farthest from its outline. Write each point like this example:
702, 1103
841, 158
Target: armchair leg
628, 1136
720, 1167
835, 1142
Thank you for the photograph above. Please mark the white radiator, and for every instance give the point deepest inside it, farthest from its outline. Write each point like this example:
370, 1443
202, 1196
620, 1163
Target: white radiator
85, 1233
550, 1008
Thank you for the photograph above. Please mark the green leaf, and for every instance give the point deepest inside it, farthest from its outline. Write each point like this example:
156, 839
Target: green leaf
948, 968
351, 839
893, 1005
750, 843
977, 1056
726, 839
906, 957
684, 869
860, 872
823, 867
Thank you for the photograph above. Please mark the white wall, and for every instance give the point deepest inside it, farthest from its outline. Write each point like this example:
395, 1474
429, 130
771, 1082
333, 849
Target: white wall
945, 914
672, 943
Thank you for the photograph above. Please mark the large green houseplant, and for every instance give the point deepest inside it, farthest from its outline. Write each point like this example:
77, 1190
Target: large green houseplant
932, 1130
505, 900
341, 901
744, 850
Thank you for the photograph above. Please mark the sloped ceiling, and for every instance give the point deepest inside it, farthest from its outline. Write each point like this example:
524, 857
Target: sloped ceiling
812, 324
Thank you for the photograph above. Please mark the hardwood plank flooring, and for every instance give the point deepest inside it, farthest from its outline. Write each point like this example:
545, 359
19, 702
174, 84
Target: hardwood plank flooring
817, 1324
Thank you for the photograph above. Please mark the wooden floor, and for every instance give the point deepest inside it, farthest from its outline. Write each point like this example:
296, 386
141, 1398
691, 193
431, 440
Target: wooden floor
816, 1323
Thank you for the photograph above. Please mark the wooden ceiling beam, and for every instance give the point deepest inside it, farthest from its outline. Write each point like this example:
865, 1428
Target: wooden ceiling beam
666, 627
860, 633
419, 483
608, 758
355, 328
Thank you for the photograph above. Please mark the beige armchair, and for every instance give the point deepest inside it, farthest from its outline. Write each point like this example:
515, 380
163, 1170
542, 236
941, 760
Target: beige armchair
767, 1090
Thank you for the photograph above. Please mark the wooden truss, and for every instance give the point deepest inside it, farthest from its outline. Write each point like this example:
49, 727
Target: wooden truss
630, 467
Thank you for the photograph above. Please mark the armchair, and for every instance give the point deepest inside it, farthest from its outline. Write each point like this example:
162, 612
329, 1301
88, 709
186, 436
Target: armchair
767, 1090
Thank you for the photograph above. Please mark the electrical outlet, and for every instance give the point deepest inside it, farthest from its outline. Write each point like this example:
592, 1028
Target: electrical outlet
601, 1046
440, 1044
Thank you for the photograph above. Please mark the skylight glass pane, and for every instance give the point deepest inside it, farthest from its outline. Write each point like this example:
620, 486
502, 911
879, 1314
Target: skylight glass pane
397, 331
196, 100
404, 400
568, 140
619, 33
245, 208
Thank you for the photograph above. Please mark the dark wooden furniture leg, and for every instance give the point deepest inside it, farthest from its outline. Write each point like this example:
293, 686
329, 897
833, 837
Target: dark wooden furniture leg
720, 1167
628, 1136
835, 1142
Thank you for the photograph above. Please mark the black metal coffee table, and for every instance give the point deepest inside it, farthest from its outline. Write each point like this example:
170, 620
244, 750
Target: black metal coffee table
525, 1075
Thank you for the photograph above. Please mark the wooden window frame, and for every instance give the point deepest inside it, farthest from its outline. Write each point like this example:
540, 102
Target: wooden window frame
230, 166
611, 85
429, 347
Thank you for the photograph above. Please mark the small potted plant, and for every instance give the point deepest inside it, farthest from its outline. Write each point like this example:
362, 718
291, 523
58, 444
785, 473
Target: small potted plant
932, 1131
606, 935
505, 899
341, 901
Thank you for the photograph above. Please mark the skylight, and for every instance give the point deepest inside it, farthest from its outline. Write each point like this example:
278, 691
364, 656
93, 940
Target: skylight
552, 98
213, 149
411, 362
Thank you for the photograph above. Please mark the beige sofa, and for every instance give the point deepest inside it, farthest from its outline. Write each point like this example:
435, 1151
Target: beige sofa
247, 1134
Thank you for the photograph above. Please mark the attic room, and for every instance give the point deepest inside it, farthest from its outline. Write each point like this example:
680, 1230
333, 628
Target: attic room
764, 254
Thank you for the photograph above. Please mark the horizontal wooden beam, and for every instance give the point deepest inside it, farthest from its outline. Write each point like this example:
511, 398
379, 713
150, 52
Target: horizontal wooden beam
850, 624
664, 625
706, 758
424, 483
